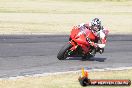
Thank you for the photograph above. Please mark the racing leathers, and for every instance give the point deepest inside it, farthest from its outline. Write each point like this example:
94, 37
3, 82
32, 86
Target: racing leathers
101, 36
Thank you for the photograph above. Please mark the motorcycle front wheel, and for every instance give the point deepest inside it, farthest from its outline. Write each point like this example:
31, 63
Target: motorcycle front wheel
63, 53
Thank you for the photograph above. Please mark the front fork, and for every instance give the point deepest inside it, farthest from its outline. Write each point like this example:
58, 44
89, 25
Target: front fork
74, 47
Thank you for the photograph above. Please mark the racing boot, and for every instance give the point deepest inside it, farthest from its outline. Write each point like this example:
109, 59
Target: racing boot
100, 50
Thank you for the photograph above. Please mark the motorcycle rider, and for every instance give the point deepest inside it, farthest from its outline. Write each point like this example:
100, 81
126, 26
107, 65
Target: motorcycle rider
99, 31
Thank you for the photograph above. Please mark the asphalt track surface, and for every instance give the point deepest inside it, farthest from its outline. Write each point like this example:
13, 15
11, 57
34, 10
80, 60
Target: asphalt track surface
22, 55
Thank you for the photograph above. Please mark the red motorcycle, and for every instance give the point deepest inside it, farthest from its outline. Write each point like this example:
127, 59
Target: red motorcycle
78, 45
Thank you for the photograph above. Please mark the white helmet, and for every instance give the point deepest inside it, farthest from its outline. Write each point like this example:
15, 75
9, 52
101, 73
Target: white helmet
96, 22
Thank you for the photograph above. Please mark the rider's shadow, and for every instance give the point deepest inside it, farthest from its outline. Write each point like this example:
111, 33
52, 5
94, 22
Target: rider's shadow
99, 59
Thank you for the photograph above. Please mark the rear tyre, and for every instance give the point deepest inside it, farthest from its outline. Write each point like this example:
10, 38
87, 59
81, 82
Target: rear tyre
63, 53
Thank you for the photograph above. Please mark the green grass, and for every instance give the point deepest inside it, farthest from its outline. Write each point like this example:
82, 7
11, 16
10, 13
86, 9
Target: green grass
67, 80
59, 16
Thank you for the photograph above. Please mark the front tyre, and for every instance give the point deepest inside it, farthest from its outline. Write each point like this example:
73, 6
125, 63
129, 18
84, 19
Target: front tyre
63, 53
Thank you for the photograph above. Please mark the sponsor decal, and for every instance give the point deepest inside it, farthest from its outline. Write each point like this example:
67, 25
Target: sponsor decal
85, 81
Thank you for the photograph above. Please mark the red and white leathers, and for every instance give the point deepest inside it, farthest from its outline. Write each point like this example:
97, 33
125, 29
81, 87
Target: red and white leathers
101, 34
